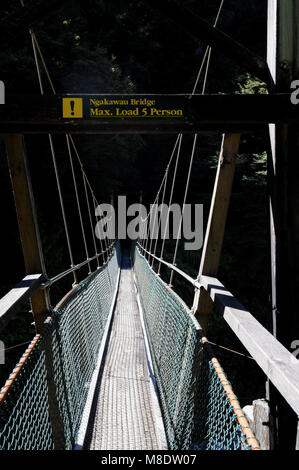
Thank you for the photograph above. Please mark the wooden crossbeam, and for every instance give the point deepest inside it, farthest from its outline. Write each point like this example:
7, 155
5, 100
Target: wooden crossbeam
202, 113
16, 297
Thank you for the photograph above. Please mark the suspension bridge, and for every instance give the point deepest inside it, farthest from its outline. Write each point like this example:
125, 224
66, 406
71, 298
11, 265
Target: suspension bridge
122, 362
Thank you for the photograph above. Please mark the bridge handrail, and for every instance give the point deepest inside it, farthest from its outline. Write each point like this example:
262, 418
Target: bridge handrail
76, 267
169, 265
273, 358
12, 302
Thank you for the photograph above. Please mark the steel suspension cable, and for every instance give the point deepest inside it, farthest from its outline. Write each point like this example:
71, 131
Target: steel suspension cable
144, 236
161, 185
148, 225
78, 201
90, 188
159, 220
167, 167
207, 56
103, 249
84, 175
90, 218
36, 48
36, 63
54, 92
66, 229
43, 62
145, 227
170, 198
156, 203
183, 208
68, 146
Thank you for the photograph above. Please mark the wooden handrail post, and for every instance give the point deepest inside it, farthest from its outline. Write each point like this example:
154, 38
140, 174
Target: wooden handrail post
27, 222
210, 258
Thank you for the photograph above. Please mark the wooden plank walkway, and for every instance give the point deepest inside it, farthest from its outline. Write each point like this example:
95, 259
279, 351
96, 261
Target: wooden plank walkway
126, 414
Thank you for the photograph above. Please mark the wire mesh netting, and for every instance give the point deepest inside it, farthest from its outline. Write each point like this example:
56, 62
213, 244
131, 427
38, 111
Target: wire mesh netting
41, 404
196, 408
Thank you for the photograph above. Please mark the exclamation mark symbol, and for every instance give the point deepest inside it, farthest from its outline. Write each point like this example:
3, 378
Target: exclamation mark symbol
72, 108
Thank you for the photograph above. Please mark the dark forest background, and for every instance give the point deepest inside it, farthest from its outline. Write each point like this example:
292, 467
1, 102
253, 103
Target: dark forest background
101, 46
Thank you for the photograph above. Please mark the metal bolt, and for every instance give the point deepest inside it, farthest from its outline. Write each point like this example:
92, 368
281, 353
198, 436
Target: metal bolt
284, 65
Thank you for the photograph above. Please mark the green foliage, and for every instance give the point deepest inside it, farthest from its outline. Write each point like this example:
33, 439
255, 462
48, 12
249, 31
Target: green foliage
248, 85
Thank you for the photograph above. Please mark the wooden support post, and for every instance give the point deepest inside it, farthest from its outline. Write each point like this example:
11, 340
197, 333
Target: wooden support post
27, 222
258, 417
283, 61
216, 223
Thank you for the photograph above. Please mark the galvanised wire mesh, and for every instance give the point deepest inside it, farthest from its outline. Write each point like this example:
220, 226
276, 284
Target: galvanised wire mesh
25, 407
195, 397
41, 404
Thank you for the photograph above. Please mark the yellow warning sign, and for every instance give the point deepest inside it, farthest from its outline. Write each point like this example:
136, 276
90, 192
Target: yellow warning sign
72, 107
